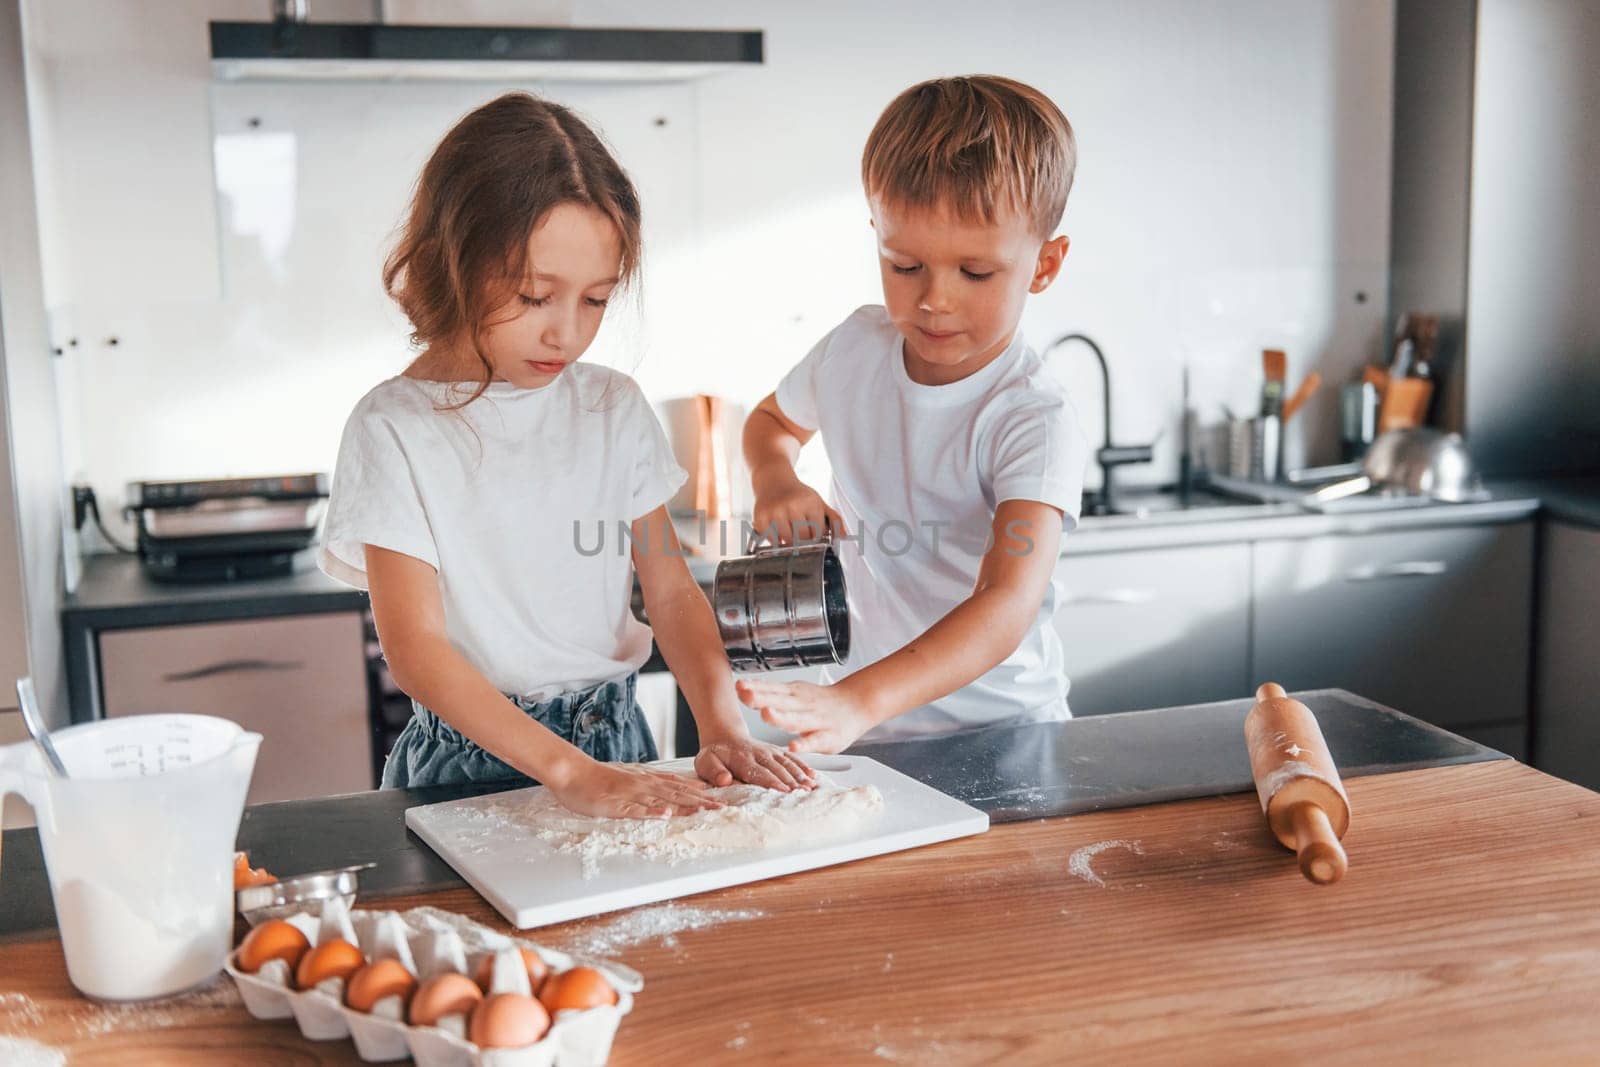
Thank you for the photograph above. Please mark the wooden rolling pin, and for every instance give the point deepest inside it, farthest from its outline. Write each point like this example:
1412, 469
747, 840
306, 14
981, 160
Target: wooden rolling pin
1298, 784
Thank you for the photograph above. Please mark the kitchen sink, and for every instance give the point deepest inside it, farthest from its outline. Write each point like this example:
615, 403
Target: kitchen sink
1164, 504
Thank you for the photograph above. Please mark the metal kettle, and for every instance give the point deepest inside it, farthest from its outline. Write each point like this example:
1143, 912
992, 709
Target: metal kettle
1418, 462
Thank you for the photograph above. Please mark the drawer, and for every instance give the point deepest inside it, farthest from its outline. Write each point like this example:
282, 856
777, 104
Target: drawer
299, 681
1435, 623
1155, 628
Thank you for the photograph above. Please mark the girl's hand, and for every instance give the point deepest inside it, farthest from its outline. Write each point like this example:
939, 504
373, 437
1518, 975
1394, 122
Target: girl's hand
631, 791
756, 762
828, 718
794, 510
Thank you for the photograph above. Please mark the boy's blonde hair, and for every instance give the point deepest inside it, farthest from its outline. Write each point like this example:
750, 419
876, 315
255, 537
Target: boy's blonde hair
976, 145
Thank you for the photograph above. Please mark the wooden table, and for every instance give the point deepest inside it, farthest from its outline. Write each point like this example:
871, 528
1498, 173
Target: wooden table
1468, 931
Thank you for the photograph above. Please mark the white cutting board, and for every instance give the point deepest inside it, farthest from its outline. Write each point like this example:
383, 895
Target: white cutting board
533, 884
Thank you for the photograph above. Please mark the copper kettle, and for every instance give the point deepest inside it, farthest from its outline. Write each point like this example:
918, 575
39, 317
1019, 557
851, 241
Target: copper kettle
713, 491
704, 434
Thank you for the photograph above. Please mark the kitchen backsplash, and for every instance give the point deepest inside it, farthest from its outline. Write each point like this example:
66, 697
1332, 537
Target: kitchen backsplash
1232, 194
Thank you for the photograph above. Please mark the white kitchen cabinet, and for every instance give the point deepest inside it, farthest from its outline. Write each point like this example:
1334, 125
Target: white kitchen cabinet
1153, 628
299, 681
1433, 622
31, 557
130, 206
1567, 673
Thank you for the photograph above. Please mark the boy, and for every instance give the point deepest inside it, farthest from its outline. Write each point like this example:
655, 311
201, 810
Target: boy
957, 460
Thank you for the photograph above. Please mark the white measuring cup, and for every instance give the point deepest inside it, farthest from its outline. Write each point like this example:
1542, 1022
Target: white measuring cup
138, 842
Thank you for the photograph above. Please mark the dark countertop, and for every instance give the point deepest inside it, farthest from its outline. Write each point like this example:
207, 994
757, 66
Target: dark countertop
1564, 498
1014, 773
114, 593
1164, 526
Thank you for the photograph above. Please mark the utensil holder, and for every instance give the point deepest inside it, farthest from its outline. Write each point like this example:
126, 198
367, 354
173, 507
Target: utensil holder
1405, 404
1255, 448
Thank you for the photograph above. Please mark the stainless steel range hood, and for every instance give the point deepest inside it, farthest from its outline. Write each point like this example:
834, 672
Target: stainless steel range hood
289, 49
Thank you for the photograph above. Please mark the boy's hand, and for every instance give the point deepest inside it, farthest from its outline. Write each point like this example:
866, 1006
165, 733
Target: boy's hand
827, 718
795, 510
772, 443
755, 762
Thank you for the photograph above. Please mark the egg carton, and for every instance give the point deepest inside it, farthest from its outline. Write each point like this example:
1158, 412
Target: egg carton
426, 945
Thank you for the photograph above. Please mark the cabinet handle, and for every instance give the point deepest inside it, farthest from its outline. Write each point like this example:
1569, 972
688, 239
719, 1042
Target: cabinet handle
1113, 596
1412, 568
233, 666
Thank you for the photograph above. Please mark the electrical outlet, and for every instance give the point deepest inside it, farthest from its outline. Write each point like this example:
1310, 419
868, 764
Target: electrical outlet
82, 501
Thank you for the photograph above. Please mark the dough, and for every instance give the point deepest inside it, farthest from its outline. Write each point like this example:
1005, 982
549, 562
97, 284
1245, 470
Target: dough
753, 818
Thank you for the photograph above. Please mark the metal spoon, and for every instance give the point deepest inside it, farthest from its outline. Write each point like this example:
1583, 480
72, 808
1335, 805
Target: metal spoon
30, 719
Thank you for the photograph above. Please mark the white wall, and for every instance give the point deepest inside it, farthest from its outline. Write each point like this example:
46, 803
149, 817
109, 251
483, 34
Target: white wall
1232, 194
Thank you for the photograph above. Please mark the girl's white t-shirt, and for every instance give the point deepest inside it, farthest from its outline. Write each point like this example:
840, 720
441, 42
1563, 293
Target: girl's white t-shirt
918, 471
520, 500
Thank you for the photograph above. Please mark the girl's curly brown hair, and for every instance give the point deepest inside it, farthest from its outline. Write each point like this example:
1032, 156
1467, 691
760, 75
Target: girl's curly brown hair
488, 184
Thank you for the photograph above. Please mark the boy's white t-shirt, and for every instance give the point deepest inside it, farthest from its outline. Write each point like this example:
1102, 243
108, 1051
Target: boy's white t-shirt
509, 499
918, 471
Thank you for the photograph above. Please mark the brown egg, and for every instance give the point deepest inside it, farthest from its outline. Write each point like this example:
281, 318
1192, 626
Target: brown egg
579, 989
272, 940
508, 1020
336, 958
441, 995
379, 979
537, 969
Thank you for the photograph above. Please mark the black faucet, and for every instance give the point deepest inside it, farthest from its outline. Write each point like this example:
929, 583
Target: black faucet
1109, 455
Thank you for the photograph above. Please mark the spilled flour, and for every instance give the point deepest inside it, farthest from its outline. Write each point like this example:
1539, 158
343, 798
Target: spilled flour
1081, 862
20, 1052
739, 1040
751, 818
19, 1013
663, 921
83, 1018
629, 928
99, 1018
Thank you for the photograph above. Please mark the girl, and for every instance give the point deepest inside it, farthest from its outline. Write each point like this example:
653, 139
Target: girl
461, 485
